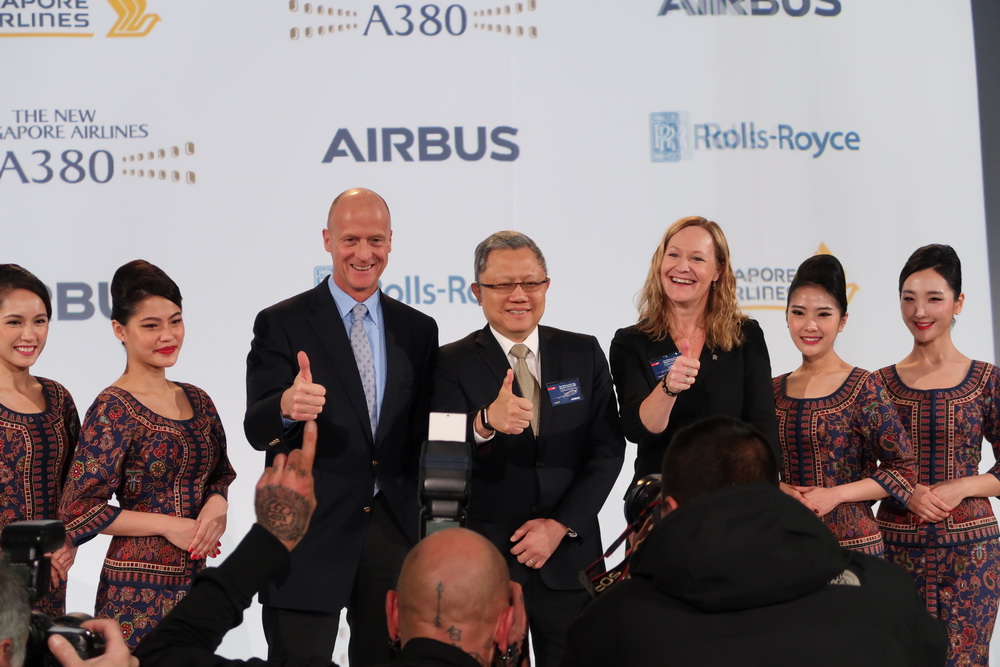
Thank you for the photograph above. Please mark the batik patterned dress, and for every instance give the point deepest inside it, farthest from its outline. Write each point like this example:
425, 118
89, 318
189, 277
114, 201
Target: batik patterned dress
151, 464
850, 435
956, 562
37, 450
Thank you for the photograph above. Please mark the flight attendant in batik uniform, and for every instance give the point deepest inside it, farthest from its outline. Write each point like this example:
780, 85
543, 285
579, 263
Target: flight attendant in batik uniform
39, 424
160, 448
949, 404
841, 440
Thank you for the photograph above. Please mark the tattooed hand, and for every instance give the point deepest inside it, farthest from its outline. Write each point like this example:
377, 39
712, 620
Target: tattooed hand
285, 499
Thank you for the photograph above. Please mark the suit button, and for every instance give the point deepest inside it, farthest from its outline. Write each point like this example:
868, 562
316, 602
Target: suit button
539, 464
374, 463
368, 509
534, 510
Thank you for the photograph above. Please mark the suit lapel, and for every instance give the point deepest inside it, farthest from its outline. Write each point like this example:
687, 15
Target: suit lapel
710, 360
329, 328
492, 355
551, 372
396, 359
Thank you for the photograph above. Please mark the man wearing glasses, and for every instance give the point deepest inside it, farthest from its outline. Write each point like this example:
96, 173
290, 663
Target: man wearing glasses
544, 423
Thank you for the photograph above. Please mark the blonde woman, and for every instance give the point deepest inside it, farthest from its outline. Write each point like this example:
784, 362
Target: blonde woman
693, 353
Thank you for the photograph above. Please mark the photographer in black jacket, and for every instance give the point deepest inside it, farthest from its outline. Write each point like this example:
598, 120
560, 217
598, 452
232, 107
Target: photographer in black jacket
738, 573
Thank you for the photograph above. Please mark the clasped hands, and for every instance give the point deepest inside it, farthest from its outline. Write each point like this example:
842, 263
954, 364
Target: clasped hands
934, 503
930, 504
200, 537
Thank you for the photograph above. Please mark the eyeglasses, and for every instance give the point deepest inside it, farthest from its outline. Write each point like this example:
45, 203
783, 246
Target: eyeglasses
508, 288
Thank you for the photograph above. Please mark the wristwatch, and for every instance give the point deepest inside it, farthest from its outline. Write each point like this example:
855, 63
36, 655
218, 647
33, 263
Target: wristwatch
484, 419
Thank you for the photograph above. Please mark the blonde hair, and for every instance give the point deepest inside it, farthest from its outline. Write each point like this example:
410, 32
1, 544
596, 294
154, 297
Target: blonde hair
723, 317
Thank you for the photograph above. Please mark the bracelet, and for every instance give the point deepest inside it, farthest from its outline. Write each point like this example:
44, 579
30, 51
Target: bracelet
666, 391
486, 422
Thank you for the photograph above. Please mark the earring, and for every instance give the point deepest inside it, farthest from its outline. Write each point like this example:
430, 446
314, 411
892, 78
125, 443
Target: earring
508, 658
713, 285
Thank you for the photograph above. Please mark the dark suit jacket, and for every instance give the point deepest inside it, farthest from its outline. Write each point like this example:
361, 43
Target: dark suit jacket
735, 383
565, 474
348, 462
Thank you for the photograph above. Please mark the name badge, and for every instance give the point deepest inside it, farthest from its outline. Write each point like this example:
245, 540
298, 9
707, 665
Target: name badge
662, 365
564, 391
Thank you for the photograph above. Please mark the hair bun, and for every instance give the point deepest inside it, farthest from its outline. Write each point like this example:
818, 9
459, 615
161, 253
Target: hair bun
135, 282
825, 272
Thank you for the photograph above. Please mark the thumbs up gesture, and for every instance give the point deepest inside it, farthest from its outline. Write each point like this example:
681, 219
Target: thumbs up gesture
304, 400
684, 372
509, 413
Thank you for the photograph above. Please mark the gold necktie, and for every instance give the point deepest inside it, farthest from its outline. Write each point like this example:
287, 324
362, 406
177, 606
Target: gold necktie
527, 382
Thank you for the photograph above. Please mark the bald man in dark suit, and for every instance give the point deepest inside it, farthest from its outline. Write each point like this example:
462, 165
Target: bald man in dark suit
360, 364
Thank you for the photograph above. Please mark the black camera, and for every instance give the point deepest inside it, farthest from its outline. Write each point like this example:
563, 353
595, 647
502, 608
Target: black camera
643, 500
25, 544
642, 507
445, 475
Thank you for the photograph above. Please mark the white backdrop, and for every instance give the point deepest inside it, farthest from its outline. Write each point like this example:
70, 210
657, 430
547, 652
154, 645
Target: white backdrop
209, 138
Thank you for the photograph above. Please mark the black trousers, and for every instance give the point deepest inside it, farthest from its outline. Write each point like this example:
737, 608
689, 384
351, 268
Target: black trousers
550, 613
292, 633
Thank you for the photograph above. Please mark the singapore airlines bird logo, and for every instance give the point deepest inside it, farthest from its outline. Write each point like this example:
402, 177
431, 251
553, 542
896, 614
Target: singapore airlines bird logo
133, 21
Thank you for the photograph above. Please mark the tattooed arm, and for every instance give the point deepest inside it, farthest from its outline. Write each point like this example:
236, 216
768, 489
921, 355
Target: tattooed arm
285, 499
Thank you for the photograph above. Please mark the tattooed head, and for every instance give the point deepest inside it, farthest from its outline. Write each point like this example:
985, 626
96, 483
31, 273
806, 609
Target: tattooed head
454, 587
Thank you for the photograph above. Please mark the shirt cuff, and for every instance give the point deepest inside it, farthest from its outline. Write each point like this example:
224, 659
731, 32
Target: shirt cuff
480, 439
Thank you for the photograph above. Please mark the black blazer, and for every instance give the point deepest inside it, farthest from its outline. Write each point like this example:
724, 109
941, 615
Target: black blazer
735, 383
348, 461
565, 474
